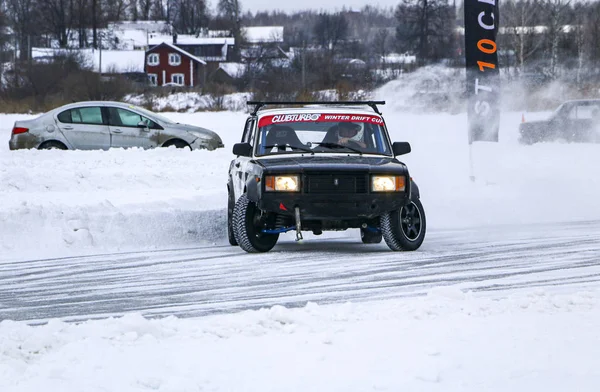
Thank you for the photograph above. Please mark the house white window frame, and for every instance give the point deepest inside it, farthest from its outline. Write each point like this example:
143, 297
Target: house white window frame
151, 58
173, 76
174, 59
153, 78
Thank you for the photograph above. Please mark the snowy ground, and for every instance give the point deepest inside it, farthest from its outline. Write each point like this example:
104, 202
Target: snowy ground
58, 204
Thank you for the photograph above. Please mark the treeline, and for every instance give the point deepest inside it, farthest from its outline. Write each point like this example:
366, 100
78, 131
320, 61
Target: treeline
348, 50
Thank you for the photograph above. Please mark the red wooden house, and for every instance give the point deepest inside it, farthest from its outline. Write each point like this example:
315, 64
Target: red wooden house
167, 64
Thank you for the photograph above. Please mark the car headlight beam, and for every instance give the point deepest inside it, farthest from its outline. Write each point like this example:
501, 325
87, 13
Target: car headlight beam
282, 183
388, 184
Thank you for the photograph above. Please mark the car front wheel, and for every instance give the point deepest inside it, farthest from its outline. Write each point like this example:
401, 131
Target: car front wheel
404, 229
247, 227
230, 207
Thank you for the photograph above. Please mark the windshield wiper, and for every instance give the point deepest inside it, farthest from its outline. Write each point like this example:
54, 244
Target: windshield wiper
305, 149
337, 145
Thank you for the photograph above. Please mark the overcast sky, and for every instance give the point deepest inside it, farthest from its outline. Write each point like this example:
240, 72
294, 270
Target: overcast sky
296, 5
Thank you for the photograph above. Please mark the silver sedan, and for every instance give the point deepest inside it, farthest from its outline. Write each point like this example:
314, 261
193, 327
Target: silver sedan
100, 125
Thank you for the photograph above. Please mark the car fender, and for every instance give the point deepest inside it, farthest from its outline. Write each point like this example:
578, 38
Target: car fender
253, 189
50, 133
414, 190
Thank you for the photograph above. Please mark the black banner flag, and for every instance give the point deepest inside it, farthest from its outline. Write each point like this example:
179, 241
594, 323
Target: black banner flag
483, 77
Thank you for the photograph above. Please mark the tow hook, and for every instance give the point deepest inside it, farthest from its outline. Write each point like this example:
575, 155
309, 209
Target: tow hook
298, 224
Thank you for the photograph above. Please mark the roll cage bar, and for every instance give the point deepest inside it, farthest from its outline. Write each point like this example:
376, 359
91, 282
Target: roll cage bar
260, 104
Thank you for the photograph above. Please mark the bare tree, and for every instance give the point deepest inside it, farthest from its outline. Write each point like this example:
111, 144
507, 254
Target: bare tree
190, 16
20, 14
425, 27
519, 28
59, 18
115, 10
380, 41
592, 32
330, 30
556, 20
231, 12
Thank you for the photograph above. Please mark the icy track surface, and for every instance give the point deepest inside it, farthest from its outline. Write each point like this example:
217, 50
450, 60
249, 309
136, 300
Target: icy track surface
503, 295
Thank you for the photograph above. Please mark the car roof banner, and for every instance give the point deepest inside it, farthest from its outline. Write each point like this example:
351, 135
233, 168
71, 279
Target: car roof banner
483, 76
319, 117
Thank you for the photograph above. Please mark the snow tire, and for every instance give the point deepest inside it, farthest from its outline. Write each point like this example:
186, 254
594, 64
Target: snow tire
230, 207
247, 232
404, 229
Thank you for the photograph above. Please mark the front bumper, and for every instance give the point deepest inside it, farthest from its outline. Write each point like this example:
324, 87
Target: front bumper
208, 144
333, 206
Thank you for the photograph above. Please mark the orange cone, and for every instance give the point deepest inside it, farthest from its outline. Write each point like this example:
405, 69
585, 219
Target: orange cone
523, 117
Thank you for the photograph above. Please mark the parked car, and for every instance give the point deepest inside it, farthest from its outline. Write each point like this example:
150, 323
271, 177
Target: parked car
329, 166
102, 125
572, 121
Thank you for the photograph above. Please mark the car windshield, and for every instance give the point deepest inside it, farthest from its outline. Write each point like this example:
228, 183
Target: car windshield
322, 133
150, 114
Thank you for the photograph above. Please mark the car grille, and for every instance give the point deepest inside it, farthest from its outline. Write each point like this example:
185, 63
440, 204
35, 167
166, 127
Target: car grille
336, 183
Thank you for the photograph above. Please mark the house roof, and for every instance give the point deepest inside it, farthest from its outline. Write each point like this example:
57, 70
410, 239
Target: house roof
235, 70
119, 61
183, 52
186, 39
263, 34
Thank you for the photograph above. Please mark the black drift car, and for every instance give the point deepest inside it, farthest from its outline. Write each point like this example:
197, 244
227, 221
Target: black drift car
321, 166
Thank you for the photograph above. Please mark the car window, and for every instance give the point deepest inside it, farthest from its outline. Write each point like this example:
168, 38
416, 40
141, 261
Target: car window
247, 136
322, 133
586, 112
65, 117
88, 115
127, 118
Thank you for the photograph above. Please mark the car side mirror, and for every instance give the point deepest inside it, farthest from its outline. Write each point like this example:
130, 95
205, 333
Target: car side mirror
142, 124
401, 148
243, 149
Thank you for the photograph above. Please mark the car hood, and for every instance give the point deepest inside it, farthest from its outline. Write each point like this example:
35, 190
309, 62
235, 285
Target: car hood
197, 131
321, 163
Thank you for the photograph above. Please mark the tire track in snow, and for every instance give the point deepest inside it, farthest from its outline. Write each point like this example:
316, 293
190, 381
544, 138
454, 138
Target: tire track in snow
215, 279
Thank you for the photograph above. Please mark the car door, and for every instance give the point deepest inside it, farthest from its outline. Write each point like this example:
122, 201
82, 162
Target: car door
85, 128
584, 124
239, 168
126, 131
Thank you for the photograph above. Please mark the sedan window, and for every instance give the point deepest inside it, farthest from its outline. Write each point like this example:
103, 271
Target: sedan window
65, 117
127, 118
90, 115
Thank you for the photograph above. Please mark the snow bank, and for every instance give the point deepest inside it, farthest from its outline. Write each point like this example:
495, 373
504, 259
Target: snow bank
445, 341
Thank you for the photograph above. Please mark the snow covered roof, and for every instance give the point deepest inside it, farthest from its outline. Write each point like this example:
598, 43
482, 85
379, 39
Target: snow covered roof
235, 70
151, 26
185, 39
119, 61
397, 58
263, 34
185, 53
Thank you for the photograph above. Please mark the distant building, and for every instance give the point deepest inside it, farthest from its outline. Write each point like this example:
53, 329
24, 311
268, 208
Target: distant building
209, 49
102, 61
263, 34
170, 65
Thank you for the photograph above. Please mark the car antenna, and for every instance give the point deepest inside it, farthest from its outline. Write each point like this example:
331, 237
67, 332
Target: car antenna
260, 104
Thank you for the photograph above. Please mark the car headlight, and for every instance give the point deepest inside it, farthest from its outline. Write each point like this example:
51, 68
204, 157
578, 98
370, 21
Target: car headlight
388, 184
283, 183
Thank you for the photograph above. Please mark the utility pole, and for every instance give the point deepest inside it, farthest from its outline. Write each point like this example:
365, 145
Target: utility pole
303, 65
100, 53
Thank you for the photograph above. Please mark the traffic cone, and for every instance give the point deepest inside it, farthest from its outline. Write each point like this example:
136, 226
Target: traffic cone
522, 117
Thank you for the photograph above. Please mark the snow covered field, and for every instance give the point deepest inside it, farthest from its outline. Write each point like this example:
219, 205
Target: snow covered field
66, 203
